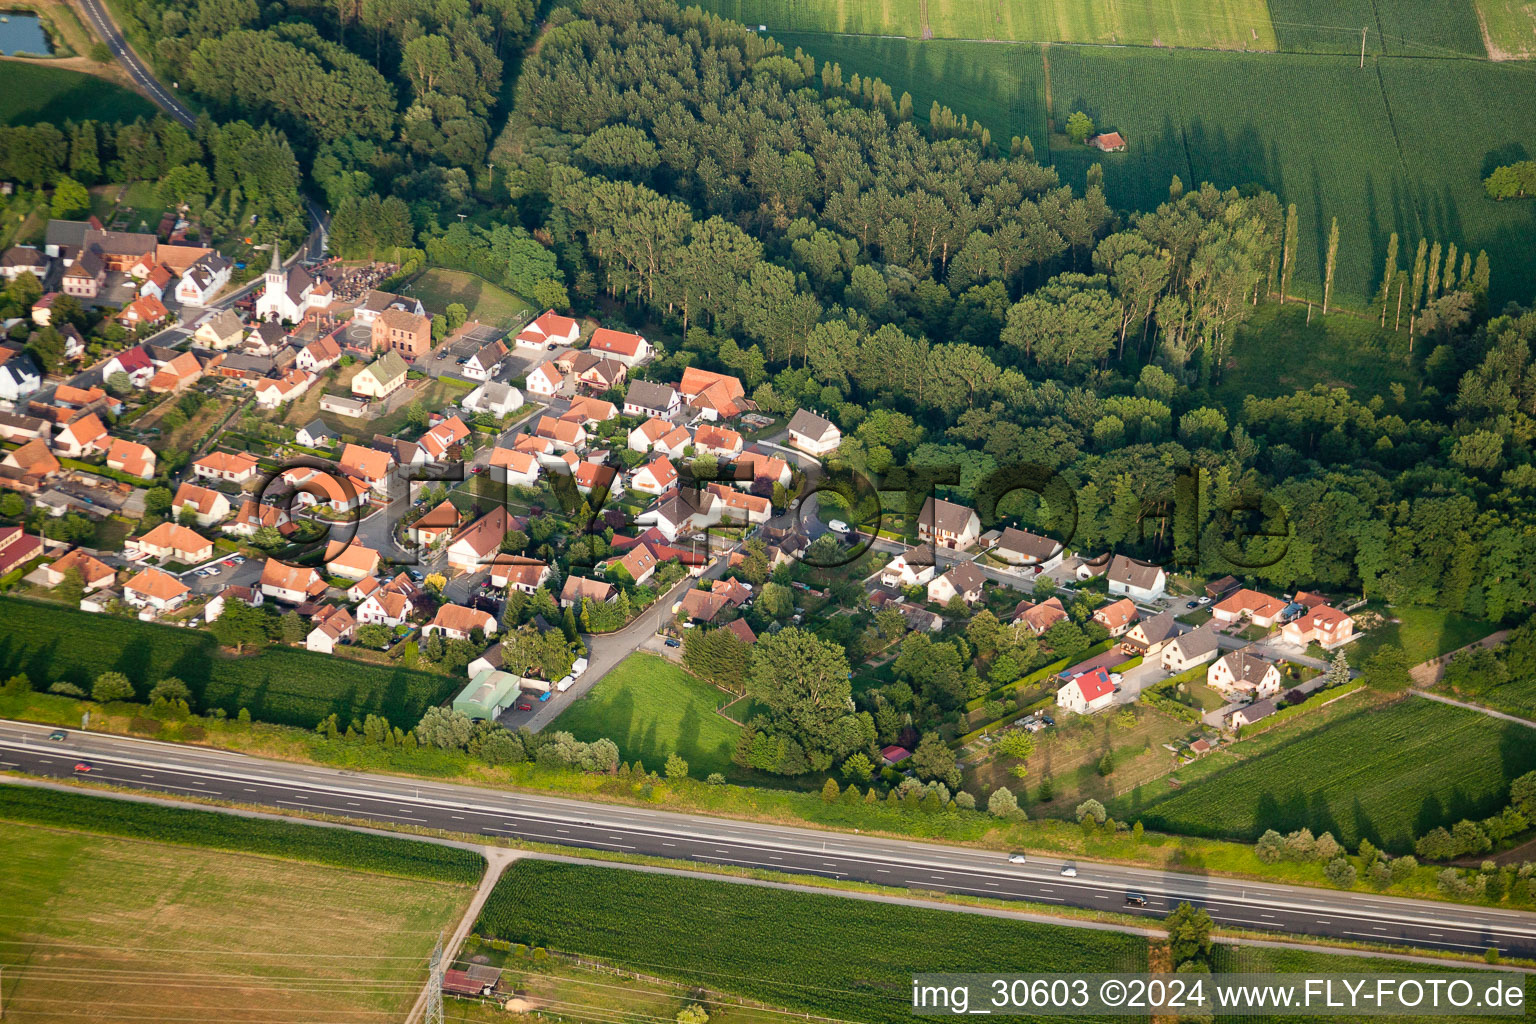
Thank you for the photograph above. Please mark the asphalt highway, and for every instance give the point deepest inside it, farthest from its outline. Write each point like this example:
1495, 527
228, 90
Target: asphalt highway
191, 771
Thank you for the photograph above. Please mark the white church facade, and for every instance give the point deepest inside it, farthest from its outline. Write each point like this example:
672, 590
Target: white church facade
290, 293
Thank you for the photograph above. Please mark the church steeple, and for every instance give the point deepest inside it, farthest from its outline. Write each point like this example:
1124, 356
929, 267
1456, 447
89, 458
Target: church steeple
277, 260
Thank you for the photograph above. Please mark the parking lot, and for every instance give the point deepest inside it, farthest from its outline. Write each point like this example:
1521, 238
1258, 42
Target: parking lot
229, 571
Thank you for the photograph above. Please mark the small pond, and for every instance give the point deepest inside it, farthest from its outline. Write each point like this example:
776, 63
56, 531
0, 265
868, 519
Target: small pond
22, 32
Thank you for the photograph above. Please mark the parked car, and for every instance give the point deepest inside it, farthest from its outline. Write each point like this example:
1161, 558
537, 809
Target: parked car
838, 526
543, 697
525, 706
1203, 601
229, 562
671, 642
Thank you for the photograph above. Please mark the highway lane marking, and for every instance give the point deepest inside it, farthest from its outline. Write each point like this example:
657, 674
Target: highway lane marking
162, 785
1443, 942
761, 864
535, 835
343, 810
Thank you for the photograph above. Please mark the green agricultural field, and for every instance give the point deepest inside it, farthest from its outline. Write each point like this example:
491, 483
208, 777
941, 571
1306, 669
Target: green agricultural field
1509, 28
1336, 140
106, 928
651, 708
1403, 28
1222, 24
283, 685
36, 92
486, 302
1280, 960
1387, 774
832, 955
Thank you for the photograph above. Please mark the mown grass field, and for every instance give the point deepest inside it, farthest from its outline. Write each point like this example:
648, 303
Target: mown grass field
291, 687
36, 92
1509, 28
1336, 140
651, 708
107, 928
1387, 774
830, 955
486, 302
1422, 633
1274, 960
1222, 24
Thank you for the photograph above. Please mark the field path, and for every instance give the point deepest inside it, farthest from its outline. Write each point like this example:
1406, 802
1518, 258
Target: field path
496, 861
1428, 673
1476, 707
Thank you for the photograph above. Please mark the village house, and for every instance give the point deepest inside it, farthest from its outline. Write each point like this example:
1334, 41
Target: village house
85, 277
1185, 651
1108, 142
947, 524
721, 442
316, 487
1255, 712
1257, 607
739, 507
1322, 625
253, 516
912, 568
682, 511
157, 282
251, 597
23, 259
17, 547
272, 393
813, 434
435, 525
291, 584
549, 329
1040, 617
155, 592
650, 399
203, 280
19, 376
715, 396
476, 544
134, 363
1244, 673
756, 471
384, 604
640, 563
1118, 616
596, 478
381, 378
19, 429
964, 581
545, 380
350, 560
27, 469
590, 411
645, 436
315, 434
700, 605
1139, 581
519, 573
675, 444
441, 442
146, 310
228, 467
598, 373
567, 435
333, 625
395, 330
132, 458
175, 374
319, 355
1148, 636
1022, 548
81, 437
1085, 694
376, 302
517, 469
629, 349
207, 505
493, 399
485, 363
655, 477
94, 573
456, 622
578, 589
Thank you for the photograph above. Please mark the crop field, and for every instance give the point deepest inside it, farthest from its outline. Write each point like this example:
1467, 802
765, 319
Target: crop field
282, 685
1509, 28
1402, 28
1336, 140
1278, 960
820, 954
1221, 24
651, 708
407, 858
35, 92
106, 928
1386, 774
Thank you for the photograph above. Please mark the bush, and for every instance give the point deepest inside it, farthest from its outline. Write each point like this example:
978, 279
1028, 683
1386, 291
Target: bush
1092, 808
716, 779
1003, 804
111, 686
1340, 872
1270, 847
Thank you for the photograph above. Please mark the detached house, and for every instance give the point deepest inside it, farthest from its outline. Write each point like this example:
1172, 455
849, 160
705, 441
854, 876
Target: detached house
629, 349
318, 355
813, 434
545, 380
203, 280
1244, 674
1139, 581
644, 437
381, 378
229, 467
291, 584
457, 622
134, 363
81, 437
332, 625
1148, 636
1087, 693
376, 302
655, 477
350, 561
484, 364
253, 516
1322, 625
912, 568
435, 525
715, 396
549, 329
964, 581
175, 543
155, 591
146, 309
721, 442
647, 398
948, 525
221, 331
473, 547
518, 573
385, 604
1040, 617
1022, 548
518, 469
132, 458
395, 330
19, 377
94, 573
578, 589
1255, 606
1187, 650
1118, 616
207, 505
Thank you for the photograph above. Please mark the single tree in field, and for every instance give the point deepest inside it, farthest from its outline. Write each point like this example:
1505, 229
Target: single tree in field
110, 686
1079, 127
1333, 259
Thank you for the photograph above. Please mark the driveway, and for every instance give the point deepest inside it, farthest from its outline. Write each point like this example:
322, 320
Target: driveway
606, 650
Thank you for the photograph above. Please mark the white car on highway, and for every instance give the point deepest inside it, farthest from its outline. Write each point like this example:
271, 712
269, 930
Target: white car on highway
1015, 858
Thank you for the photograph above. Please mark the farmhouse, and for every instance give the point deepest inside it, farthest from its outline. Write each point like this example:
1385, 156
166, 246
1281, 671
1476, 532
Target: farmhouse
1087, 693
1108, 142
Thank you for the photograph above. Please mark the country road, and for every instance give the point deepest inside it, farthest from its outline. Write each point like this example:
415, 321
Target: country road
106, 28
1235, 903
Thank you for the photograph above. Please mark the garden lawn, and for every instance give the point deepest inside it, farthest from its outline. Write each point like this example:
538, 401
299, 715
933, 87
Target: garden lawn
114, 928
35, 92
1387, 773
1422, 633
291, 687
486, 302
846, 958
652, 708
